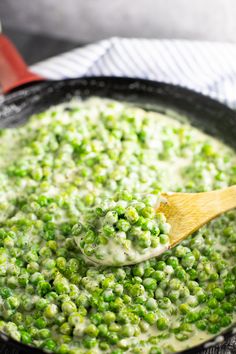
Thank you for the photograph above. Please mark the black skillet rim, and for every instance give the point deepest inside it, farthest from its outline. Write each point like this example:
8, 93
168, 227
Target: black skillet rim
14, 103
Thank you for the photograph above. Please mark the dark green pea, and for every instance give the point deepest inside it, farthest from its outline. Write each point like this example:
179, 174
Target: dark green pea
162, 324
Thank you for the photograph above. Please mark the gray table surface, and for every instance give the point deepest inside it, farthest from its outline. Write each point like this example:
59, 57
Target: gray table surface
38, 47
92, 20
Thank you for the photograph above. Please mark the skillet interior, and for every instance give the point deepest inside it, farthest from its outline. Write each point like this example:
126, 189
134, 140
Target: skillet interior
209, 115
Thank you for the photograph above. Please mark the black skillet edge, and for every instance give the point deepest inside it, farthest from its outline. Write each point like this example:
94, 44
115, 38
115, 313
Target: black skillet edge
17, 107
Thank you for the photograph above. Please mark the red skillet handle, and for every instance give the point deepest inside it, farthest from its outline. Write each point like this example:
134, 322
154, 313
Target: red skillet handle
13, 70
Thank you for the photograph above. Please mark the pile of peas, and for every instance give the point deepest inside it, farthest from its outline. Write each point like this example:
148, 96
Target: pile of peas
122, 229
58, 166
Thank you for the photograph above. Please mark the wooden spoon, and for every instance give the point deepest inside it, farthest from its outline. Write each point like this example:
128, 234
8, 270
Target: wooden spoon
186, 213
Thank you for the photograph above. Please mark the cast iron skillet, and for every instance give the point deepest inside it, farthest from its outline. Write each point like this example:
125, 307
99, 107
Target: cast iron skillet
209, 115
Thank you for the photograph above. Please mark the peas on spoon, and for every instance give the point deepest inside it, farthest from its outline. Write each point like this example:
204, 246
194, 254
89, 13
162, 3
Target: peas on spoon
133, 228
122, 231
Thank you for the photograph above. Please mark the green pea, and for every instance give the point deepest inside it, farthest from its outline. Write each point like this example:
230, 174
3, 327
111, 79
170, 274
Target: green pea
50, 311
26, 338
123, 225
213, 303
150, 284
151, 304
218, 293
49, 344
201, 324
40, 323
150, 318
188, 260
89, 342
68, 307
229, 287
109, 317
162, 323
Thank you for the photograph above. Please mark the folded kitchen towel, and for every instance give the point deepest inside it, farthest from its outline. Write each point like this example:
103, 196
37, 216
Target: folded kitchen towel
206, 67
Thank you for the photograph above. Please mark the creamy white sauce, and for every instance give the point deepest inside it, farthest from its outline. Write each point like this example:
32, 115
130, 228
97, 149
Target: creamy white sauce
171, 174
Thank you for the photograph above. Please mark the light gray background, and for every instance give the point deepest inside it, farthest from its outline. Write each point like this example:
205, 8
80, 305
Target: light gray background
90, 20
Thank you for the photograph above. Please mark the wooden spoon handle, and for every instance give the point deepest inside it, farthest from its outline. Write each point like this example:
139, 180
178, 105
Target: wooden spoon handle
187, 212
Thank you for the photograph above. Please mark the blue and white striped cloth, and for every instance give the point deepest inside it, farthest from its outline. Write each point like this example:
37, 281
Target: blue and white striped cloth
206, 67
